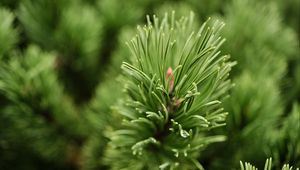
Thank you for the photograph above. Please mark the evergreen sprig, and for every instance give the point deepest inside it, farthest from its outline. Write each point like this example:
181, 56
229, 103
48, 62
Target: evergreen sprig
174, 85
268, 166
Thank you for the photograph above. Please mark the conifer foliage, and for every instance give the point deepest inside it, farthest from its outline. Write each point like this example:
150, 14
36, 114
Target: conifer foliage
74, 95
268, 166
174, 85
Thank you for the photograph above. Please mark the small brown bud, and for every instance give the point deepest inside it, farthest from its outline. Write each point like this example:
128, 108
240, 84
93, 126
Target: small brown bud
170, 79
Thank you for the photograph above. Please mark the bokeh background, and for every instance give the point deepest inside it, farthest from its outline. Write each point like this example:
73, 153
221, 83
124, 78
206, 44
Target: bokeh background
60, 59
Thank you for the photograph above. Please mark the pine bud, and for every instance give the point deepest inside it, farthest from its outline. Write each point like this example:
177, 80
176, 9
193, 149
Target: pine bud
170, 79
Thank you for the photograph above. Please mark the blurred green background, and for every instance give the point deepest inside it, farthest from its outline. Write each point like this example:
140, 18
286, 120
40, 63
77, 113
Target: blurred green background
59, 62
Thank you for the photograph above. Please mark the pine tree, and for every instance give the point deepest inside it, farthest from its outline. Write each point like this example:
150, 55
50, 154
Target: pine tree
74, 96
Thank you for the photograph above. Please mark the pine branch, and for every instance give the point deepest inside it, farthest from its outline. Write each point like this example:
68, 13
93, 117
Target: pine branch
39, 20
255, 104
99, 113
174, 84
259, 26
268, 166
36, 109
285, 144
73, 29
8, 34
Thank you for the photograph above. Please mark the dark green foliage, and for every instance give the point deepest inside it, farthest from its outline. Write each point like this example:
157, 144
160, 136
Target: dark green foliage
254, 46
262, 53
286, 140
40, 19
36, 113
8, 34
61, 93
255, 104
